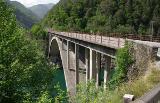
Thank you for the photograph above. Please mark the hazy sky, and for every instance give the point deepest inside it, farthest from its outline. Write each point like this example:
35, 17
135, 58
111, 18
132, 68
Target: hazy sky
29, 3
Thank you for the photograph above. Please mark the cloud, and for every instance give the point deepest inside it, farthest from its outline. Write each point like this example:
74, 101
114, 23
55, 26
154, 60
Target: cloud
29, 3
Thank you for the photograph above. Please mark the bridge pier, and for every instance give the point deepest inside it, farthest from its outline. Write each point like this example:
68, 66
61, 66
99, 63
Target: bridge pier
92, 64
106, 70
87, 64
98, 67
77, 63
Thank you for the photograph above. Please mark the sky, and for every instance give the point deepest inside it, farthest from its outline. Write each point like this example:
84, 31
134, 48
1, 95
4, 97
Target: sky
29, 3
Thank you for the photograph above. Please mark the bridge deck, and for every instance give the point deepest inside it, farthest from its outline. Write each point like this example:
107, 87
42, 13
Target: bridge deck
112, 42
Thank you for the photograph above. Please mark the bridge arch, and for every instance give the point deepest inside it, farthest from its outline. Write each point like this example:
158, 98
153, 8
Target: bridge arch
55, 52
58, 46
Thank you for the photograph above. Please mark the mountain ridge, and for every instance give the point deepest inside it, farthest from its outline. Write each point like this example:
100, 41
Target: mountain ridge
24, 16
41, 9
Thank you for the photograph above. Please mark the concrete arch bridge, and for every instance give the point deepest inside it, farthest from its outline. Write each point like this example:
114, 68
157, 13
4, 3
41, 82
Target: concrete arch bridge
84, 56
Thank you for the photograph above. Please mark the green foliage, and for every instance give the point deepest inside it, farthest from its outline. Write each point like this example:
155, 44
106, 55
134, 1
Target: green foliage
61, 96
38, 32
130, 16
45, 98
124, 29
123, 61
25, 76
90, 94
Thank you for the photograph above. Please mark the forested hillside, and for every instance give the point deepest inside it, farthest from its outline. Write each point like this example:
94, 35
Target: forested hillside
25, 16
41, 9
25, 76
125, 16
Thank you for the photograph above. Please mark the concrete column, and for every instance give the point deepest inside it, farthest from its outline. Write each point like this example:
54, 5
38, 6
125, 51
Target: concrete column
68, 54
98, 67
87, 63
92, 65
107, 70
77, 63
63, 44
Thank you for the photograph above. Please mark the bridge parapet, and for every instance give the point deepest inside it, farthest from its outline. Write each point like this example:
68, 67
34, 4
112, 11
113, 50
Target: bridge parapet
112, 42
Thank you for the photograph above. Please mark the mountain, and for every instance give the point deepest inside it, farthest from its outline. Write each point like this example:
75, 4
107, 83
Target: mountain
24, 16
41, 9
104, 16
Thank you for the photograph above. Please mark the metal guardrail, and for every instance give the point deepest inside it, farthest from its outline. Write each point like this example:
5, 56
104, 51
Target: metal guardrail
152, 96
143, 37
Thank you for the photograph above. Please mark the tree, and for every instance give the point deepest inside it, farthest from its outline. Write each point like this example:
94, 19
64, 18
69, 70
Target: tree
24, 72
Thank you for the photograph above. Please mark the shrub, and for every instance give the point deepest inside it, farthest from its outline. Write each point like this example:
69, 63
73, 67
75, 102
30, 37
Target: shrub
123, 61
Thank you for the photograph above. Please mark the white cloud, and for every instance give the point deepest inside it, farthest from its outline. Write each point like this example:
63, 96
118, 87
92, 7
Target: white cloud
29, 3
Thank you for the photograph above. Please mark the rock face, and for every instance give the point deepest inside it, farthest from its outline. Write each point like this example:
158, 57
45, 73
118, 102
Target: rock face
143, 55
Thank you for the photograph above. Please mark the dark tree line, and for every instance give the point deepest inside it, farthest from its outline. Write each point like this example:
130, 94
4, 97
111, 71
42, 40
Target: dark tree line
125, 16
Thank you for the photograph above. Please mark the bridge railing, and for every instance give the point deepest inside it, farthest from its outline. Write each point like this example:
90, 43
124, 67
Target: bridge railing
116, 40
102, 40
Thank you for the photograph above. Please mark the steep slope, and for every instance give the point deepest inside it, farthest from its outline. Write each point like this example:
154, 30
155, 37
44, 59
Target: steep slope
41, 9
25, 16
125, 16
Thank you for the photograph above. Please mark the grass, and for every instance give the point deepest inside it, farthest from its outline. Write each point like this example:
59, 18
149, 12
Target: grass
137, 88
